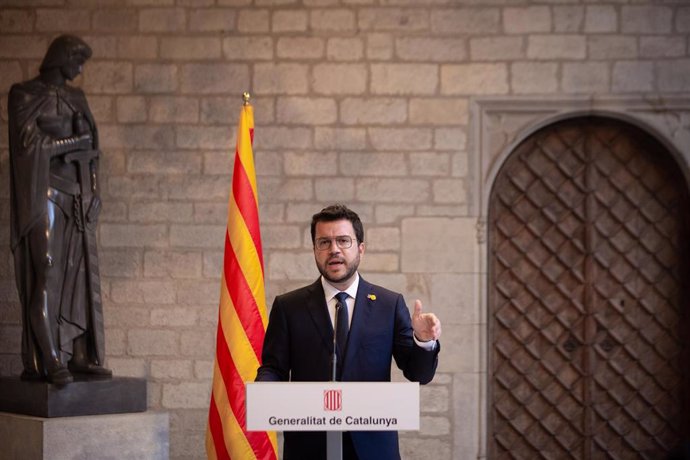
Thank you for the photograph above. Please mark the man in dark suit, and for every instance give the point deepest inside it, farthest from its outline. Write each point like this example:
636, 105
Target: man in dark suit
299, 338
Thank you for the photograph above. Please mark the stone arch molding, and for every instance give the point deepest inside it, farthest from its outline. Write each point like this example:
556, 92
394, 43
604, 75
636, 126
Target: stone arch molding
500, 124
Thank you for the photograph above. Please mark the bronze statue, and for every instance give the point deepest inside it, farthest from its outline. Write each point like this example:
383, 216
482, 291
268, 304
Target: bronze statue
55, 204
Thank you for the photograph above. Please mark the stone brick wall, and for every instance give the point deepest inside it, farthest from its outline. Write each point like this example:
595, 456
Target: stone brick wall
365, 102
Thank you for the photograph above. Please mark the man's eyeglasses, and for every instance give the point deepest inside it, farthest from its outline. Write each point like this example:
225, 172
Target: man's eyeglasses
343, 242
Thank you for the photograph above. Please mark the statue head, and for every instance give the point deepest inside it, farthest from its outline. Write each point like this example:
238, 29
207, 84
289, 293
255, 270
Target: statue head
68, 54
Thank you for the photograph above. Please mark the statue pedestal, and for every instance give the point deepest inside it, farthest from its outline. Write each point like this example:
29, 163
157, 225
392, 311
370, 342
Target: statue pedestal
136, 435
82, 397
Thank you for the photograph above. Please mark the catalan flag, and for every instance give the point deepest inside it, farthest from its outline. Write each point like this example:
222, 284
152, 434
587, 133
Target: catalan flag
242, 317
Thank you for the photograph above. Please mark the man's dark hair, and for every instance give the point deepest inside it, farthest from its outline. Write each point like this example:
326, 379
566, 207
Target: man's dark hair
337, 212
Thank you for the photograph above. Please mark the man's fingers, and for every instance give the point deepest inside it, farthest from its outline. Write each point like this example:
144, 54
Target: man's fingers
417, 307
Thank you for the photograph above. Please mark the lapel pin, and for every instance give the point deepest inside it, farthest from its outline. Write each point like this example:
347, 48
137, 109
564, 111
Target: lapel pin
371, 297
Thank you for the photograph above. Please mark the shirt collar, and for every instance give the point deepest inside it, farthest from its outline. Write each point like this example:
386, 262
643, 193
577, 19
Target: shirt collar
331, 291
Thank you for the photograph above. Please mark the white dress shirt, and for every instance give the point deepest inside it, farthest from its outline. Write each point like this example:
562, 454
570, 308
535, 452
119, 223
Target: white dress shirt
330, 291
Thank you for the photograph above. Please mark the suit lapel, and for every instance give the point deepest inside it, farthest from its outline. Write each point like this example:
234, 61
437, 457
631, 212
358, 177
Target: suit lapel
318, 310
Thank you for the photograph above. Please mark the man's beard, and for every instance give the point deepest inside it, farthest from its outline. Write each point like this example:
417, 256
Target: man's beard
350, 272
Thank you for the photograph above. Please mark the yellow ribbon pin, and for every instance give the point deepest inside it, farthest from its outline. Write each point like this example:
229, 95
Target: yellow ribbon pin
371, 296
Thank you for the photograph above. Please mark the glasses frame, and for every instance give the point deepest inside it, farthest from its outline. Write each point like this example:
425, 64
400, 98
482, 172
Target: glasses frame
347, 244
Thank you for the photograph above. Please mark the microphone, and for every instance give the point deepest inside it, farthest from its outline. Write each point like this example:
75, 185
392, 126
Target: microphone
334, 356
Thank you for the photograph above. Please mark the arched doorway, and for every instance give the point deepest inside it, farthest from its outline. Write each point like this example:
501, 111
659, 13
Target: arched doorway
588, 296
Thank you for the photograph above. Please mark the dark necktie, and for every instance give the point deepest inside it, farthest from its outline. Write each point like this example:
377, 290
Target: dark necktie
343, 325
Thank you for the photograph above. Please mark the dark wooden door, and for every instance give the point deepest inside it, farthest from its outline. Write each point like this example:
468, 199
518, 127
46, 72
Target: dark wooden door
588, 293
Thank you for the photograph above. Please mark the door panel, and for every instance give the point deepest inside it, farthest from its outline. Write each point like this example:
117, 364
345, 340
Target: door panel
588, 228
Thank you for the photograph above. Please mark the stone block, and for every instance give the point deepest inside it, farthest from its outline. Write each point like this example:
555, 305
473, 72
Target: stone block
332, 20
632, 76
327, 138
344, 49
497, 48
190, 48
283, 78
373, 111
466, 21
138, 435
17, 46
283, 138
334, 189
212, 20
291, 266
379, 46
662, 46
300, 47
450, 191
646, 19
393, 19
400, 139
155, 78
468, 408
10, 73
431, 49
310, 163
172, 264
290, 21
380, 262
131, 109
306, 111
173, 317
404, 79
425, 247
281, 188
137, 47
673, 75
373, 164
197, 236
524, 20
115, 20
565, 46
430, 164
198, 343
204, 137
135, 291
108, 77
213, 78
248, 48
601, 19
455, 297
683, 19
568, 18
59, 20
162, 20
611, 47
171, 109
16, 20
530, 77
474, 79
588, 77
439, 111
281, 237
120, 263
339, 78
138, 236
152, 342
253, 21
383, 238
384, 190
176, 369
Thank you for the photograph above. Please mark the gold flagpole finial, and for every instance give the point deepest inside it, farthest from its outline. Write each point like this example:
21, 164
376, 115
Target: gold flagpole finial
245, 97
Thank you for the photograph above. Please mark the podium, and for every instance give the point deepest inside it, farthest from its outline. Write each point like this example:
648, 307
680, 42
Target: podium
333, 407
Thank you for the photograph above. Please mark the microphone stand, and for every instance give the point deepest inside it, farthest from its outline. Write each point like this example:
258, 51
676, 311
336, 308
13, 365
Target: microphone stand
334, 439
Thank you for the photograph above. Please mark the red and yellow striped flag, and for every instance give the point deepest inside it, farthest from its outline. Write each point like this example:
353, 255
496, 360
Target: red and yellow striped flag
242, 318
